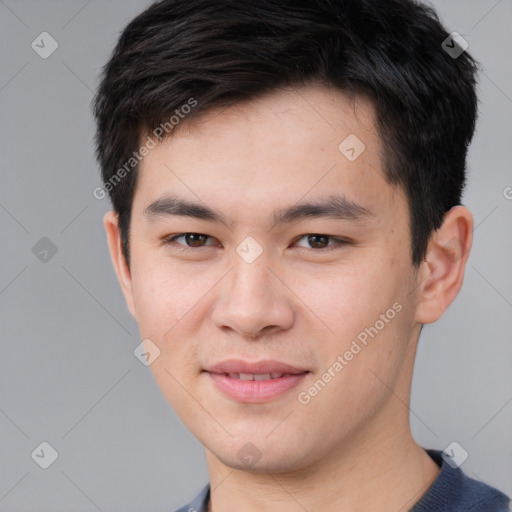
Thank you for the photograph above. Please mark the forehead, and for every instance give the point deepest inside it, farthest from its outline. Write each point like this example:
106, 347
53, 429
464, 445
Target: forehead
284, 147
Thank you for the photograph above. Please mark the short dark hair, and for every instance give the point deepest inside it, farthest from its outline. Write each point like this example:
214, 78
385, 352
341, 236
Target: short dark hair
220, 52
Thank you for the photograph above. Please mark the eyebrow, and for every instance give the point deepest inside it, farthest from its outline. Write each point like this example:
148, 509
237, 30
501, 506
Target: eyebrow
334, 207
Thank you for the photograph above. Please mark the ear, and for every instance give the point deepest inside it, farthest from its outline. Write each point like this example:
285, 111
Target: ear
111, 223
442, 272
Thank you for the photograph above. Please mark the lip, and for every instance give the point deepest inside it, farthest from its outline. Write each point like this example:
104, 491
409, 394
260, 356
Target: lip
266, 366
254, 391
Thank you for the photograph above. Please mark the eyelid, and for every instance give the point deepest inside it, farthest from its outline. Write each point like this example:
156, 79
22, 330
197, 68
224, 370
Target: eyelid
339, 242
170, 239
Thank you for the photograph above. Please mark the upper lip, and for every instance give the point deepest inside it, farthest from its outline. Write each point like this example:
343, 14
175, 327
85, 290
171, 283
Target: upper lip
256, 367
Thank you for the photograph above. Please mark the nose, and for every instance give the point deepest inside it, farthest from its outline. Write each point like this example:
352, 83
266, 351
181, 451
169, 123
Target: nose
254, 300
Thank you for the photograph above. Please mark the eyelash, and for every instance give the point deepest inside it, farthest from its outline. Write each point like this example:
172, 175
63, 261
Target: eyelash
170, 240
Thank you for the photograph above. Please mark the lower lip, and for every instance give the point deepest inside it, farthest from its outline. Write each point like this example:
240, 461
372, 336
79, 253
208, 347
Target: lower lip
255, 391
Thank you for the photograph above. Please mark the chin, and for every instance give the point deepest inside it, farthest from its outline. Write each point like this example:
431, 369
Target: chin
260, 456
265, 466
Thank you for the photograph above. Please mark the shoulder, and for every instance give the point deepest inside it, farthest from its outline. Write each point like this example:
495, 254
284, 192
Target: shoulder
199, 503
454, 491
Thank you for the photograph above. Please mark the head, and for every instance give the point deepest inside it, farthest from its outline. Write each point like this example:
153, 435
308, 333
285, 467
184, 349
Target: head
317, 150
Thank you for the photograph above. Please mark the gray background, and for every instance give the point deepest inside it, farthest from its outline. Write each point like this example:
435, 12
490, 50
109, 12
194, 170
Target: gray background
68, 373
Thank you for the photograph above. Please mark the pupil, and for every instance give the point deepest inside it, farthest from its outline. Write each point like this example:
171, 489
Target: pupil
316, 245
194, 239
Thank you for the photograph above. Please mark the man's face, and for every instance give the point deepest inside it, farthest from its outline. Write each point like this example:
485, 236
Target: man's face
256, 290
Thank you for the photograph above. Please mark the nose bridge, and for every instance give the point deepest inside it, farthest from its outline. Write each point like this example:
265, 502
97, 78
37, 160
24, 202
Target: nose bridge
252, 298
251, 276
251, 280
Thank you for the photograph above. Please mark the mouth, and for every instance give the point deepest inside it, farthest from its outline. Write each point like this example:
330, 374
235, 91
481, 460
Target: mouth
256, 382
257, 376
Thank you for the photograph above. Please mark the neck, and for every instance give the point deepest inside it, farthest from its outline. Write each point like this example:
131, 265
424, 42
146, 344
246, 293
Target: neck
376, 469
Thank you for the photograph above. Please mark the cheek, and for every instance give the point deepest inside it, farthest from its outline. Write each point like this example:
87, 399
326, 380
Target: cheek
163, 295
171, 305
363, 316
346, 300
167, 308
355, 377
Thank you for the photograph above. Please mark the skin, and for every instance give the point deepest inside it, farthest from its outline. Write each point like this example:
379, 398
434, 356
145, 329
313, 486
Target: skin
350, 447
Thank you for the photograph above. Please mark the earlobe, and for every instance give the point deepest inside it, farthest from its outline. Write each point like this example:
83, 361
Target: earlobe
111, 223
443, 269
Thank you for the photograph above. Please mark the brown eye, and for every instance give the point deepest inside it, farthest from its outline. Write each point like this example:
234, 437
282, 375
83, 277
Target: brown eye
189, 240
195, 239
321, 243
318, 241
